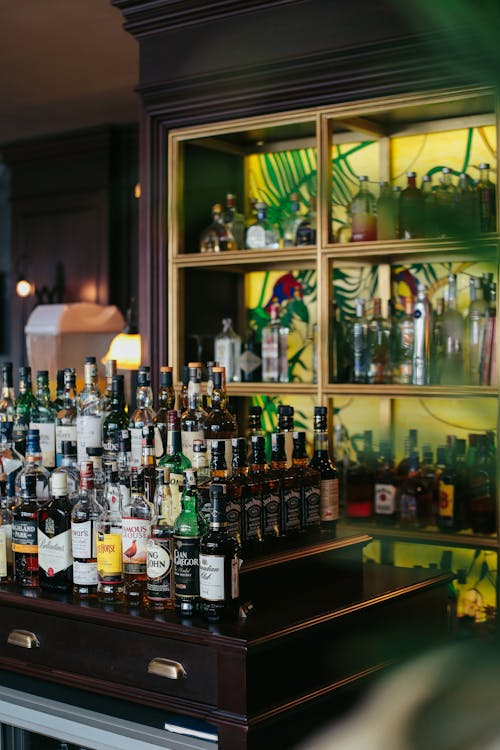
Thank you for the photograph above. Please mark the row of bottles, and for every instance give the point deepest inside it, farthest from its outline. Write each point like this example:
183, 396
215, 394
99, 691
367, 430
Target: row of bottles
423, 345
229, 231
454, 490
462, 208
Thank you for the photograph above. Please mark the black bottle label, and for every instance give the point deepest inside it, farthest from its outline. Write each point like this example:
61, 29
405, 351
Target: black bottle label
25, 535
187, 567
311, 505
270, 512
253, 518
292, 520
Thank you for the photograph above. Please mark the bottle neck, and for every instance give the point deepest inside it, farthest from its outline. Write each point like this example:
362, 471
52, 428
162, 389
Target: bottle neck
144, 397
173, 442
320, 441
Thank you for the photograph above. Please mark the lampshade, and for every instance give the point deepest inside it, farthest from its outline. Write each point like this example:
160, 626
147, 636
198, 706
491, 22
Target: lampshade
126, 349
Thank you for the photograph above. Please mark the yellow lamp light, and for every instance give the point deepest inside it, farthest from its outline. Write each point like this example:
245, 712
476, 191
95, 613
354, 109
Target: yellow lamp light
24, 288
126, 346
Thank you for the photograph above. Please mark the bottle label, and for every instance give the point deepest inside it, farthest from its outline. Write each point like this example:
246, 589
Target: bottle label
233, 513
329, 499
292, 507
186, 567
176, 486
135, 536
253, 518
187, 440
3, 553
312, 514
83, 540
88, 435
256, 236
408, 507
385, 499
235, 577
212, 577
159, 564
25, 536
270, 355
64, 432
109, 558
270, 513
228, 453
446, 500
135, 446
222, 353
47, 441
54, 553
85, 573
249, 362
288, 448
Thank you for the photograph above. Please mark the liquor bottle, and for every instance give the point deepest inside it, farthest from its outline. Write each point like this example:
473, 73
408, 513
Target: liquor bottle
66, 414
200, 462
240, 509
422, 314
109, 373
219, 423
217, 237
306, 231
409, 498
411, 210
450, 498
89, 413
290, 496
124, 467
207, 399
291, 221
143, 415
183, 393
430, 477
6, 570
95, 455
262, 234
476, 330
235, 222
43, 419
174, 460
70, 470
410, 445
358, 345
251, 357
112, 496
254, 424
310, 483
84, 517
252, 510
58, 401
405, 332
194, 417
159, 549
33, 466
364, 213
218, 474
361, 482
166, 402
468, 214
437, 344
447, 197
136, 532
386, 488
147, 469
271, 495
189, 527
452, 366
25, 534
8, 398
275, 347
11, 461
219, 565
55, 557
286, 427
329, 475
110, 576
227, 351
481, 494
115, 421
429, 207
387, 213
487, 200
379, 350
23, 405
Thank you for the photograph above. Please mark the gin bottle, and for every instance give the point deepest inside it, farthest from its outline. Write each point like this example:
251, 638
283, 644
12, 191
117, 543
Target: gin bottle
227, 351
262, 234
275, 347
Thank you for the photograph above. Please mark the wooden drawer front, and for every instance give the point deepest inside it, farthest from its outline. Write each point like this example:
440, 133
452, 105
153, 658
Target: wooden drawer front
122, 656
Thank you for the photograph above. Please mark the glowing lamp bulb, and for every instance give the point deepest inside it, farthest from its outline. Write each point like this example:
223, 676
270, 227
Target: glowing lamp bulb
24, 288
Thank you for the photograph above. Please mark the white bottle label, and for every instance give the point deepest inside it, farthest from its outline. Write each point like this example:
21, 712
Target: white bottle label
84, 546
89, 435
187, 440
212, 577
135, 535
135, 446
3, 552
159, 560
329, 499
54, 554
385, 499
85, 574
256, 237
65, 432
222, 354
47, 441
270, 355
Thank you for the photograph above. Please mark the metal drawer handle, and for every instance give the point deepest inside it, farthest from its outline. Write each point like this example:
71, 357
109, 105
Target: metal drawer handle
172, 670
23, 638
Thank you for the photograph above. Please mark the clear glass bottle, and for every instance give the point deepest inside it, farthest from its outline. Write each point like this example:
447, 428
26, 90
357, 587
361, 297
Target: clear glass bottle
379, 346
43, 419
110, 370
452, 367
136, 532
217, 237
468, 214
194, 417
166, 402
11, 461
477, 320
358, 344
89, 411
69, 468
110, 578
235, 222
447, 197
84, 517
227, 351
429, 207
143, 415
437, 345
251, 357
66, 414
95, 455
275, 347
405, 331
174, 459
23, 405
411, 210
329, 475
262, 234
364, 213
292, 221
55, 559
8, 398
422, 315
160, 549
25, 534
487, 200
33, 466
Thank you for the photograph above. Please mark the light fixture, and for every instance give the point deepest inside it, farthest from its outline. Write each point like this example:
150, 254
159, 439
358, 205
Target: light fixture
126, 346
24, 287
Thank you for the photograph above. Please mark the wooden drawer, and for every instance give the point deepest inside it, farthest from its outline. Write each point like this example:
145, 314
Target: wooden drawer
134, 660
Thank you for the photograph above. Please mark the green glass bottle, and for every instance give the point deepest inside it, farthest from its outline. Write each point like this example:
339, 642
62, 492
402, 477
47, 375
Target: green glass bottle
189, 527
25, 402
174, 460
43, 419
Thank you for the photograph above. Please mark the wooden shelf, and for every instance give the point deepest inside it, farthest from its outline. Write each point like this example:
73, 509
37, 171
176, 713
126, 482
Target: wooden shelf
272, 389
413, 391
480, 248
243, 260
464, 539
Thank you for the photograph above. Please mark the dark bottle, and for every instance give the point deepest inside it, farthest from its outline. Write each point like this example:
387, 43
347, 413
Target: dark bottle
310, 480
410, 445
55, 557
252, 522
386, 489
189, 527
286, 428
487, 200
219, 564
23, 406
136, 532
66, 413
306, 231
480, 495
207, 399
43, 419
218, 475
411, 210
159, 566
166, 402
7, 399
290, 500
450, 499
25, 534
254, 425
329, 482
84, 517
429, 477
271, 502
251, 358
361, 481
219, 423
194, 416
339, 353
411, 491
238, 510
124, 467
147, 469
183, 393
115, 421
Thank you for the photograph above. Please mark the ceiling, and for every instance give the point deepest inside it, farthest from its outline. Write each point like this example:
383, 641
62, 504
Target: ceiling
66, 64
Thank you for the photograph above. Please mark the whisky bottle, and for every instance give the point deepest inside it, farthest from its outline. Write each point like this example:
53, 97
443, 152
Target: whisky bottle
11, 461
159, 550
183, 393
22, 409
450, 496
109, 373
174, 460
89, 412
361, 481
411, 210
193, 418
220, 424
55, 557
25, 534
124, 467
286, 427
310, 481
290, 510
219, 565
110, 578
236, 490
136, 531
142, 416
413, 494
6, 571
84, 517
66, 415
115, 421
481, 492
235, 222
58, 401
364, 213
189, 527
487, 200
201, 463
207, 399
275, 347
386, 489
166, 402
252, 530
33, 465
95, 455
8, 398
43, 419
147, 469
218, 475
329, 478
227, 351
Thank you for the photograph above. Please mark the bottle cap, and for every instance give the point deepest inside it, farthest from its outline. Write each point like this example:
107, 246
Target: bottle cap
199, 446
411, 174
217, 378
173, 420
320, 411
117, 384
25, 372
166, 378
285, 410
136, 480
59, 483
218, 505
33, 441
363, 178
68, 448
7, 373
185, 375
143, 378
86, 469
484, 165
94, 451
90, 361
111, 468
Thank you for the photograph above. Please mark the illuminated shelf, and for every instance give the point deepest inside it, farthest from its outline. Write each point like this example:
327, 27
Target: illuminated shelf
414, 391
243, 260
271, 389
